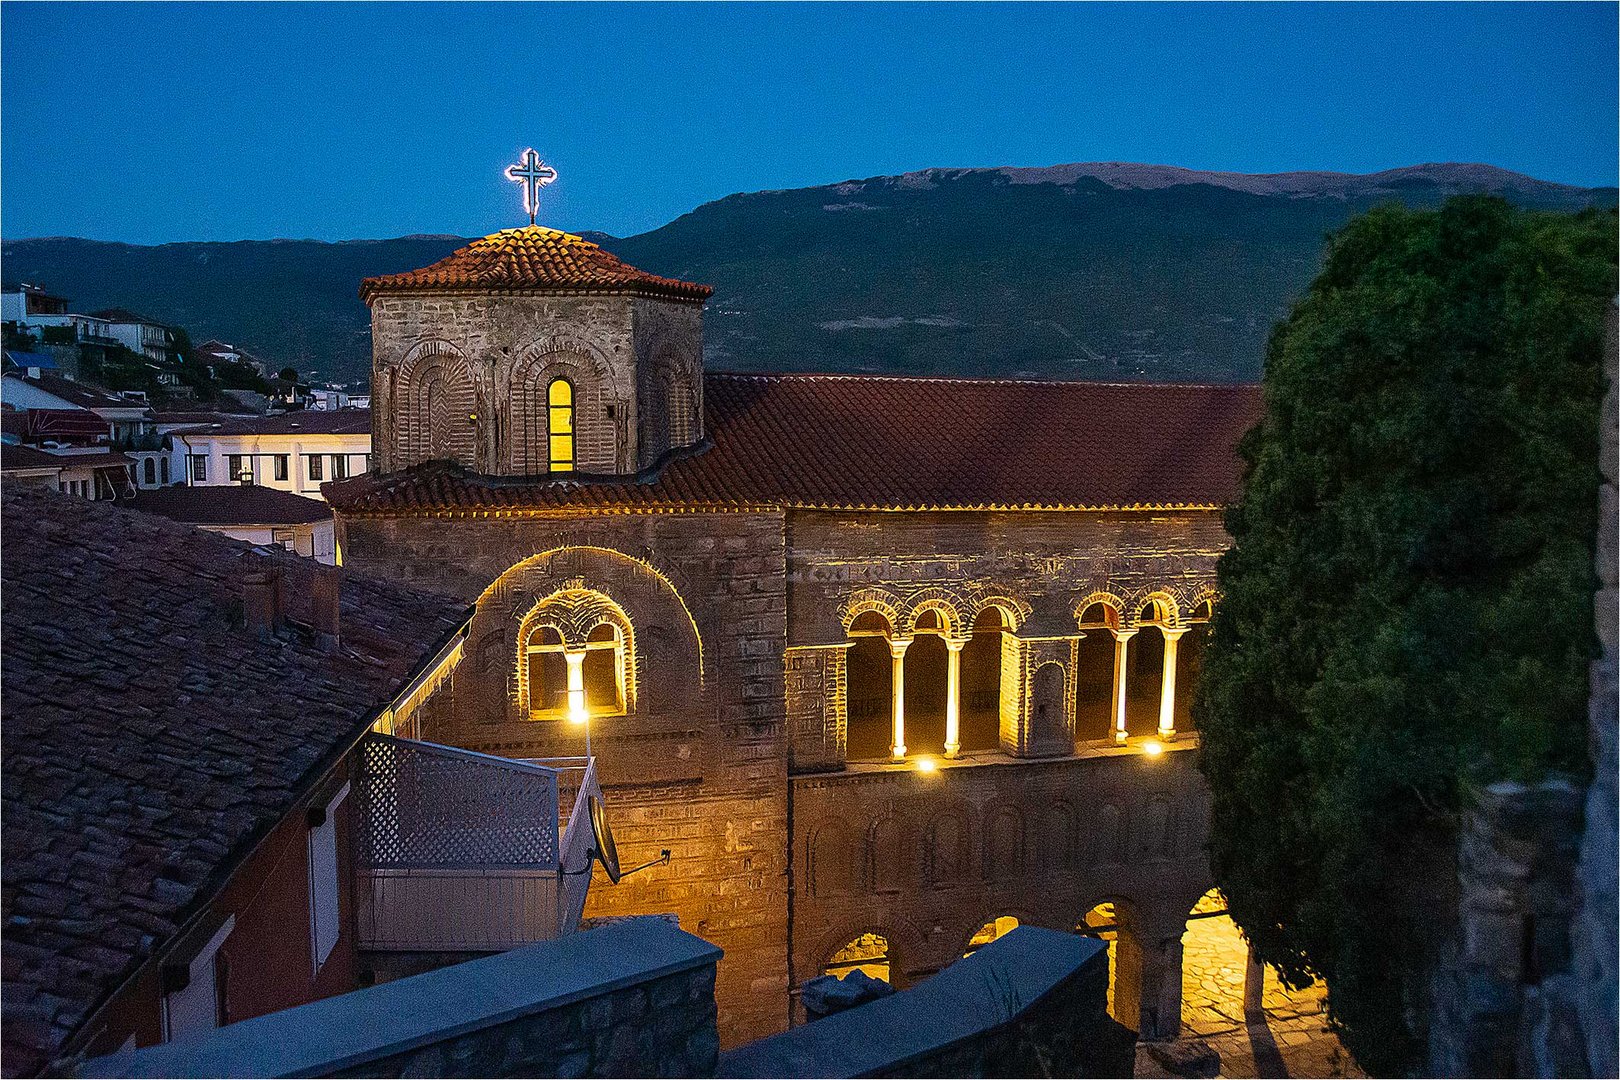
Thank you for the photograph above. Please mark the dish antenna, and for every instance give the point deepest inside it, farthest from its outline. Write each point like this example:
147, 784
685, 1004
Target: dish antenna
606, 851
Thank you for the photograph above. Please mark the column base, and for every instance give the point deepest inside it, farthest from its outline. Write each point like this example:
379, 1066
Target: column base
952, 751
1119, 736
1167, 734
897, 752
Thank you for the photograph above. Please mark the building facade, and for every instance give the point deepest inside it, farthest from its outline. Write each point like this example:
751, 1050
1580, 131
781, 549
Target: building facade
296, 451
886, 664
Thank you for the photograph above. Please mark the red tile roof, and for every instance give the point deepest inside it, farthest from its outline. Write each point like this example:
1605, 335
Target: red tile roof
297, 422
150, 741
231, 504
871, 442
533, 257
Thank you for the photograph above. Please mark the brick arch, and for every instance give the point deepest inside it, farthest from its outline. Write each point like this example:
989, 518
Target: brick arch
863, 600
883, 853
832, 863
670, 661
1162, 597
433, 396
1108, 599
1199, 595
574, 612
946, 603
907, 942
1051, 730
1014, 609
967, 929
543, 360
1006, 842
947, 846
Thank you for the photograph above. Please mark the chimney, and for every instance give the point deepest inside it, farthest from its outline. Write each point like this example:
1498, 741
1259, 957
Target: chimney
324, 609
262, 602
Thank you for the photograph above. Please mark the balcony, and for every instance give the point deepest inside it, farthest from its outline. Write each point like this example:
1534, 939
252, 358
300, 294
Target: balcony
457, 851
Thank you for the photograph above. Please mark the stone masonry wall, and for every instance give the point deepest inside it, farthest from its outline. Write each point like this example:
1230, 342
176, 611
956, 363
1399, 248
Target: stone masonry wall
698, 766
662, 1028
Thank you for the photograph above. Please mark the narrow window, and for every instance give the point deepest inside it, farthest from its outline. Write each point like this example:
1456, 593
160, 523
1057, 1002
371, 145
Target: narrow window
314, 461
323, 881
165, 463
149, 470
548, 674
281, 466
604, 653
236, 470
560, 424
199, 468
340, 466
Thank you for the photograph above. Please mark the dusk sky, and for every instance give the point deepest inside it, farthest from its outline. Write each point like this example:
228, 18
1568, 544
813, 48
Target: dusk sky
160, 122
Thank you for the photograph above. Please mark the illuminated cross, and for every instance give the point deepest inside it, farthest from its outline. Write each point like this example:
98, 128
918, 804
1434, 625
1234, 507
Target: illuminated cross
533, 174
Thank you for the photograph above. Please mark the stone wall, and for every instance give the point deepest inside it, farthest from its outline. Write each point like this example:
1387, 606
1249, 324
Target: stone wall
465, 377
633, 999
697, 765
1031, 1003
926, 859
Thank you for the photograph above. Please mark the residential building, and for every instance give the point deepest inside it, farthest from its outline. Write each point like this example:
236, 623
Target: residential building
259, 515
128, 415
296, 451
187, 771
31, 306
140, 335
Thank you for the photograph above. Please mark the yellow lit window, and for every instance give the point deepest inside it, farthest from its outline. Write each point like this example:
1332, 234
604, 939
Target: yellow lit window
560, 424
603, 673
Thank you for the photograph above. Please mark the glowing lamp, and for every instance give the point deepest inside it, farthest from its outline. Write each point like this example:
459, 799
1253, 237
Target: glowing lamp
926, 764
1153, 748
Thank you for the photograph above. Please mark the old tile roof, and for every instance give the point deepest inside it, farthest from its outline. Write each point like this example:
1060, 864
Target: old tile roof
27, 457
149, 741
870, 442
297, 422
75, 393
533, 257
231, 504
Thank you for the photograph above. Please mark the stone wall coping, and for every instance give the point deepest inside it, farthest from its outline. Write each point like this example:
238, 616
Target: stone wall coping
971, 998
367, 1025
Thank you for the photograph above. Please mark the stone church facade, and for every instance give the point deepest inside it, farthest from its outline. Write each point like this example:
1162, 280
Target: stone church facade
876, 659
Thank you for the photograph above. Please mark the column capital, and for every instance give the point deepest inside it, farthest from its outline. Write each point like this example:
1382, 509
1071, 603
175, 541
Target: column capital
1125, 633
955, 644
1173, 633
898, 646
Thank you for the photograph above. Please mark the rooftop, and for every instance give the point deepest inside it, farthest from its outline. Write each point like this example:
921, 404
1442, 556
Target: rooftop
74, 393
882, 443
298, 422
139, 769
533, 257
234, 504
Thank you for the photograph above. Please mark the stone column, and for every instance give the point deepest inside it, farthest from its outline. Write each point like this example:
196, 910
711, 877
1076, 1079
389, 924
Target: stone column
897, 653
953, 694
1122, 640
1254, 983
1161, 988
1167, 692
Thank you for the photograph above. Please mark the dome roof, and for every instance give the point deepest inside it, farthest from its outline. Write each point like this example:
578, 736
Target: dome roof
532, 258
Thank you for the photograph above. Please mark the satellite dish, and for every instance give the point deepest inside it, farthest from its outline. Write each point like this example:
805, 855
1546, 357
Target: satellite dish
607, 853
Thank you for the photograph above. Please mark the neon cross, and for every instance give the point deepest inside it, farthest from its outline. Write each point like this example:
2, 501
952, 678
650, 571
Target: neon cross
533, 174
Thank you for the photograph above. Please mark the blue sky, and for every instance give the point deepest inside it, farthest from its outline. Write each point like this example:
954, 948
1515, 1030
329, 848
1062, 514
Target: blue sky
159, 122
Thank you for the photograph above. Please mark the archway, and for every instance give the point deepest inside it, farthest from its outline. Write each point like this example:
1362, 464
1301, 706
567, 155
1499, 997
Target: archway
1094, 675
1000, 926
981, 682
1190, 664
1214, 963
926, 683
867, 953
869, 682
1107, 922
1049, 722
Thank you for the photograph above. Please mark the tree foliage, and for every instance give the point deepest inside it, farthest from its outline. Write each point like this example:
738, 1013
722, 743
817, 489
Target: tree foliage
1406, 608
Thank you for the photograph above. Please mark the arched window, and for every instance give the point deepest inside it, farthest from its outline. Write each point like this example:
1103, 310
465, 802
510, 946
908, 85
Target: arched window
604, 667
869, 687
548, 674
150, 470
601, 672
560, 424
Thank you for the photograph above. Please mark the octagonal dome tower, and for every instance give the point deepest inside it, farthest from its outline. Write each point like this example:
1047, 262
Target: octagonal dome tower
534, 352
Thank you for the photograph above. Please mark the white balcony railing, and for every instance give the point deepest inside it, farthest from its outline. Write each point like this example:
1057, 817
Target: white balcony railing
457, 851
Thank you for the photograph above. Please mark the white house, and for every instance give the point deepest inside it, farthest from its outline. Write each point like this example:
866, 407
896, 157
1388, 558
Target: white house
89, 472
259, 515
295, 451
141, 335
128, 415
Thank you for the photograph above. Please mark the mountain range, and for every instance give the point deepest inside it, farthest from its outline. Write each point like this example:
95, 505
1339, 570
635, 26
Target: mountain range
1103, 270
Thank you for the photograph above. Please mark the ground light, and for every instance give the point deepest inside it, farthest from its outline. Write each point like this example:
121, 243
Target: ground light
1152, 748
926, 764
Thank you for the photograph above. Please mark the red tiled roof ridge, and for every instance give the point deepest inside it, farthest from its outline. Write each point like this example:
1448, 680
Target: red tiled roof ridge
981, 380
532, 257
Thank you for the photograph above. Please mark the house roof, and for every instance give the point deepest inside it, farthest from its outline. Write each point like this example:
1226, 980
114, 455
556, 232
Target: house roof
14, 457
150, 742
100, 459
123, 315
232, 504
533, 257
198, 416
22, 359
74, 393
297, 422
869, 442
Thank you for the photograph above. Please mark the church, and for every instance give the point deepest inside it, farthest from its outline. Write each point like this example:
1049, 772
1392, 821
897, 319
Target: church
888, 665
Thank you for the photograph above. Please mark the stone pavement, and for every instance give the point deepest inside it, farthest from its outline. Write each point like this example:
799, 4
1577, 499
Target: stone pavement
1290, 1038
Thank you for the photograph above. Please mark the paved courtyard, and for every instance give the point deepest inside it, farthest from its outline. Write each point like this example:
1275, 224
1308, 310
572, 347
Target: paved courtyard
1290, 1038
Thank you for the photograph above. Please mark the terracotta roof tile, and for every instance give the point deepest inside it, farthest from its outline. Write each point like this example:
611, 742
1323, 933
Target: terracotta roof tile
231, 504
533, 257
871, 442
150, 741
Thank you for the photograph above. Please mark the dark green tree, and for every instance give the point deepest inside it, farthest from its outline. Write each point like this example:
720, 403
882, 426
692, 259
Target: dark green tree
1406, 608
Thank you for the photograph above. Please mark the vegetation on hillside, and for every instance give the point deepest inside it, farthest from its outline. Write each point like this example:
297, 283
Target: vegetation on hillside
1406, 610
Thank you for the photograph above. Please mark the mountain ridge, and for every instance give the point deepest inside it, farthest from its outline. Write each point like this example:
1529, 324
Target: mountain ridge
1095, 270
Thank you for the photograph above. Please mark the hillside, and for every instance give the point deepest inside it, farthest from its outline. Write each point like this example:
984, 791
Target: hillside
1091, 271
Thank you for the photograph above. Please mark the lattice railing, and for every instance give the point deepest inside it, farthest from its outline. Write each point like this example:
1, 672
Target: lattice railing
429, 807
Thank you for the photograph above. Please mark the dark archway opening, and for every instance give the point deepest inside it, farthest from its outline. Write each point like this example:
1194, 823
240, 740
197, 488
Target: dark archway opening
1094, 676
981, 682
869, 678
1145, 681
925, 695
